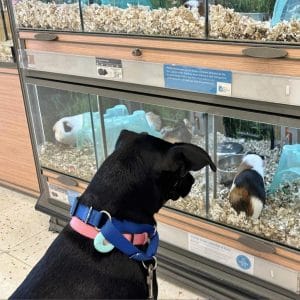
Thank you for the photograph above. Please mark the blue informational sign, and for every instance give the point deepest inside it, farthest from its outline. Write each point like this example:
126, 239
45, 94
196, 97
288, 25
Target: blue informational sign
208, 81
243, 262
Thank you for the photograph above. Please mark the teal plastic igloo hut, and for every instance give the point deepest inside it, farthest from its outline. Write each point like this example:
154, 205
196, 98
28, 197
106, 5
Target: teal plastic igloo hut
285, 10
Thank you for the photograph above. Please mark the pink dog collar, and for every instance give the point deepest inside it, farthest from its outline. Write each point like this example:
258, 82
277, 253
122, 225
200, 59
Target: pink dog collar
91, 232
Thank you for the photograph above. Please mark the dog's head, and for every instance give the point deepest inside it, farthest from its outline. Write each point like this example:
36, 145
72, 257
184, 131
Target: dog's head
143, 173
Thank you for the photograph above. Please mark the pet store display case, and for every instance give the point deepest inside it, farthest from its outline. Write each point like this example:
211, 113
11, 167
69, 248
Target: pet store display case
224, 75
80, 130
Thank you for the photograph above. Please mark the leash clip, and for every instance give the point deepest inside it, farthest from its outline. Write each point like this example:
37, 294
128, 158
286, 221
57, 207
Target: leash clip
155, 264
150, 281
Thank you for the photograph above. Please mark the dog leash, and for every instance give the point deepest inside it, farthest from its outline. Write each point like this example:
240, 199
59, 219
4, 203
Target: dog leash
86, 221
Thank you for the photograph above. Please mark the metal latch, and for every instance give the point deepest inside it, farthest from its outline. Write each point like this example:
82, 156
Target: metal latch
265, 52
46, 36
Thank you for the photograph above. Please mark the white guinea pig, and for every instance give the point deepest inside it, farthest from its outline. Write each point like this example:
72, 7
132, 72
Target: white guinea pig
247, 192
66, 129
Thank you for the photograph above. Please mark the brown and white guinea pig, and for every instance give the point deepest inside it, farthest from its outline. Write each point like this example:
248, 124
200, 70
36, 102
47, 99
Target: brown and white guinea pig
199, 4
247, 192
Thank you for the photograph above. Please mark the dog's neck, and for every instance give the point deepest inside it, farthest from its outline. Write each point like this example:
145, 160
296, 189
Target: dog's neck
117, 205
121, 202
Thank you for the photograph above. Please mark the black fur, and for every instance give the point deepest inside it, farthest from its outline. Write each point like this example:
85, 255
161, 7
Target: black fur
253, 183
133, 183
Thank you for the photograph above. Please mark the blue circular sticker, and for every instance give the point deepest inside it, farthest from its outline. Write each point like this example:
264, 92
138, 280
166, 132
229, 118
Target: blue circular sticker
243, 262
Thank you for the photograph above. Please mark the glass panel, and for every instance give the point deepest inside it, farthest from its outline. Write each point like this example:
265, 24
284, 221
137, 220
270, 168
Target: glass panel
66, 126
5, 34
240, 203
196, 202
169, 124
256, 188
259, 20
145, 17
47, 14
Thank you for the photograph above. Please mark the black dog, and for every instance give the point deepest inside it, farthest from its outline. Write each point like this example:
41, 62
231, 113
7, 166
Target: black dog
132, 184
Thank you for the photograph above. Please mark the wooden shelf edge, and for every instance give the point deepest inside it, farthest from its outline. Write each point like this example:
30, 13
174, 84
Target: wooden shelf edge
52, 177
211, 47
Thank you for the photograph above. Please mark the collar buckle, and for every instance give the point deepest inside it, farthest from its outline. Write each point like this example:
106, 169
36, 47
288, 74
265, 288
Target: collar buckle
88, 214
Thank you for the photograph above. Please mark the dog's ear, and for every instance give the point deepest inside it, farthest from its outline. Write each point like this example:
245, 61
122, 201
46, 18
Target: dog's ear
124, 137
187, 157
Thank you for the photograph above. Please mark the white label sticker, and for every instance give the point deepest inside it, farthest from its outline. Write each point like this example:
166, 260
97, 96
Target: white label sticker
109, 68
220, 253
223, 89
58, 193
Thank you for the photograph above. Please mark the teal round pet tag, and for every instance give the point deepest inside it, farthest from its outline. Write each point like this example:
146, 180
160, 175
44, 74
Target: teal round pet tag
101, 244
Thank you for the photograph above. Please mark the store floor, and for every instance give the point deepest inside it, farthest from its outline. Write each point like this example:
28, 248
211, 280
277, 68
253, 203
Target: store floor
24, 237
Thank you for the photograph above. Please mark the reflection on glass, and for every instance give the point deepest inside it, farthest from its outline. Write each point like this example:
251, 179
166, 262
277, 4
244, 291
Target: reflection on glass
259, 20
5, 34
47, 14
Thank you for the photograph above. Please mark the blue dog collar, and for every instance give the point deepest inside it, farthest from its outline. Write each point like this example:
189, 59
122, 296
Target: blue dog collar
88, 215
113, 230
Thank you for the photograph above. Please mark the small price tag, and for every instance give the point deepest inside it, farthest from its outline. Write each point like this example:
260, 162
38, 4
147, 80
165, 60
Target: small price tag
58, 193
109, 68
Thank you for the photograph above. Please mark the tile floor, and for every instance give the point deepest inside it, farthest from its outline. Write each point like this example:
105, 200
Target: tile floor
24, 237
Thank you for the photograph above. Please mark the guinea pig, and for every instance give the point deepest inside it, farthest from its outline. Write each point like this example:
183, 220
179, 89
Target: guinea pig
66, 129
199, 4
179, 134
154, 120
247, 192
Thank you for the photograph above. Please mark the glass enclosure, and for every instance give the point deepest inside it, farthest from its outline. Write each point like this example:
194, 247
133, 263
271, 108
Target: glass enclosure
64, 123
255, 20
47, 14
75, 132
5, 34
169, 18
231, 140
